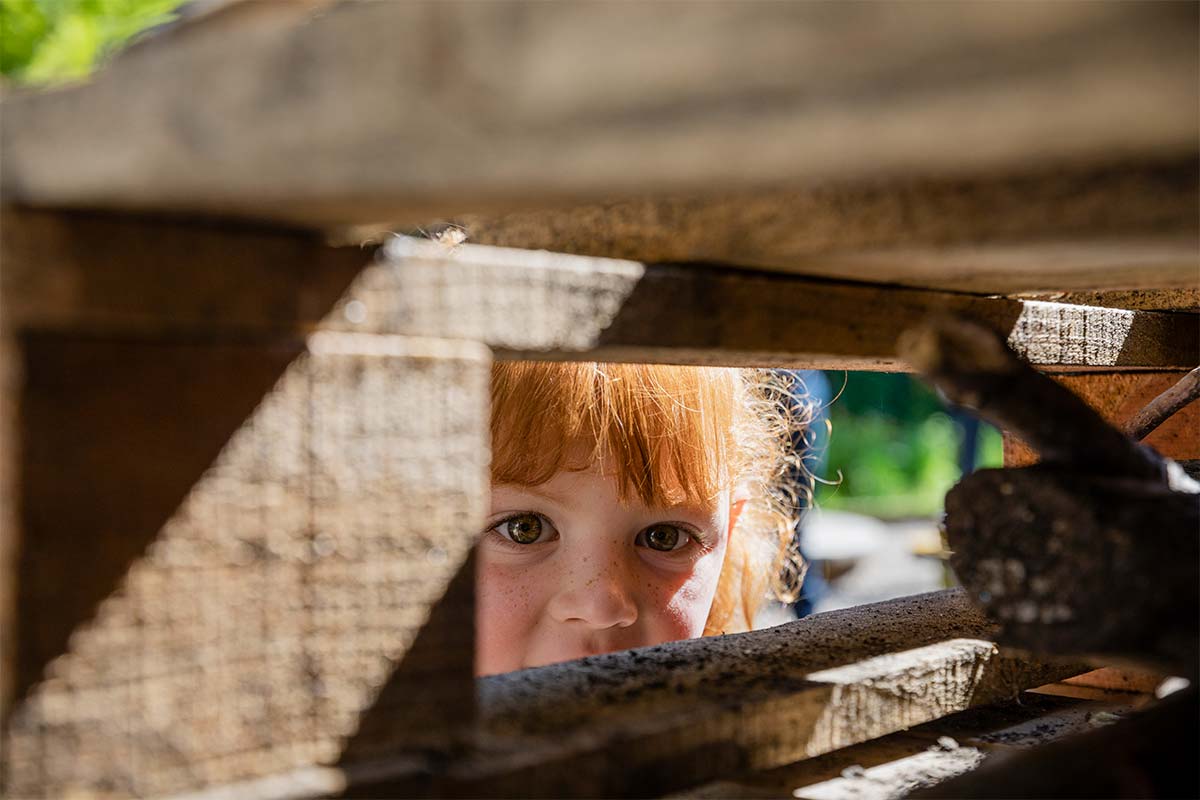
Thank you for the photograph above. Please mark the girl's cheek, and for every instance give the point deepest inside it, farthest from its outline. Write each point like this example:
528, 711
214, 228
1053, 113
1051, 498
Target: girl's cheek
680, 603
506, 613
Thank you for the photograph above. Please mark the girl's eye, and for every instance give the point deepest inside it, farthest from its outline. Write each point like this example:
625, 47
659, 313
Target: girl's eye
522, 529
663, 538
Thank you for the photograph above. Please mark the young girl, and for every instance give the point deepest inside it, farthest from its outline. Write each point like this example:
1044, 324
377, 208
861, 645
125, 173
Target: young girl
631, 505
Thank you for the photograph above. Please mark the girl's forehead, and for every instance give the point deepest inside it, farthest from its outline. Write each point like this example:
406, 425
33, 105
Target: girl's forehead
601, 483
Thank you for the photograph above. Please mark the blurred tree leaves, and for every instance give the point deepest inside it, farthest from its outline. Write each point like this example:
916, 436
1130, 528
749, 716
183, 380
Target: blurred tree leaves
52, 41
896, 448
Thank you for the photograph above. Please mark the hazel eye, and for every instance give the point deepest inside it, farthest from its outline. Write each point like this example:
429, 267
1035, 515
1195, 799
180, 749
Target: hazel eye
663, 538
523, 528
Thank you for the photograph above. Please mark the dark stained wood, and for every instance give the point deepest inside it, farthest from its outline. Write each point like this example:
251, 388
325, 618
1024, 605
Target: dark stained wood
925, 755
116, 273
10, 473
1117, 397
1148, 753
1165, 405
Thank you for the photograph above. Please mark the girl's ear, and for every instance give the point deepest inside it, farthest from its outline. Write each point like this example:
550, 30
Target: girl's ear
736, 504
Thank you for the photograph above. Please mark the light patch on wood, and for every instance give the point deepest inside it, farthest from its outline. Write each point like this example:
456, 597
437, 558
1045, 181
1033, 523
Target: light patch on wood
899, 690
895, 780
534, 304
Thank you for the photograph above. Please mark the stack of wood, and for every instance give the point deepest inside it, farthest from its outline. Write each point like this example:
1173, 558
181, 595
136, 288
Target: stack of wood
243, 433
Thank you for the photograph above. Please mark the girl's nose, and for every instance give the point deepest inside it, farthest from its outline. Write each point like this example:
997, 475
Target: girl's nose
599, 600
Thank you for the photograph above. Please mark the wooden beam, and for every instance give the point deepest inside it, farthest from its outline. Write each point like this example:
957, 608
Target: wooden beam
653, 720
1116, 226
118, 275
543, 305
925, 755
1182, 299
392, 111
212, 584
122, 274
1117, 397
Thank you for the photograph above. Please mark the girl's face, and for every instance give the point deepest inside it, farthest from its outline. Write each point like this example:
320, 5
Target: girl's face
566, 570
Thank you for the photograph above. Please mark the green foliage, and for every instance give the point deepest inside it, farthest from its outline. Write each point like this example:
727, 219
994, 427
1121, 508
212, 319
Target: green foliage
895, 447
51, 41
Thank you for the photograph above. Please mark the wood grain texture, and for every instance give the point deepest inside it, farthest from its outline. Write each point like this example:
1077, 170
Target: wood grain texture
1117, 397
528, 304
1147, 753
214, 588
1182, 299
10, 528
1117, 226
400, 110
657, 719
892, 766
143, 276
127, 274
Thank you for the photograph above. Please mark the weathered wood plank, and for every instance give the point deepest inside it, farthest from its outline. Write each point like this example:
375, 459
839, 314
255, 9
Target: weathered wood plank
1117, 397
892, 766
122, 275
116, 273
1149, 753
10, 470
398, 109
1181, 299
1115, 227
191, 614
653, 720
529, 304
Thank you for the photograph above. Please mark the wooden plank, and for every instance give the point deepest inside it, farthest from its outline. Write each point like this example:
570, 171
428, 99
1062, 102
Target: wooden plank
213, 588
1182, 299
657, 719
397, 110
1117, 226
528, 304
127, 274
10, 470
1150, 752
1118, 397
892, 766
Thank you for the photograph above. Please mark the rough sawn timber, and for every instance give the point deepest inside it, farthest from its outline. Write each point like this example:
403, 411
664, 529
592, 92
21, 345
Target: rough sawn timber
397, 110
1117, 397
212, 585
111, 274
128, 274
528, 304
656, 719
1127, 227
